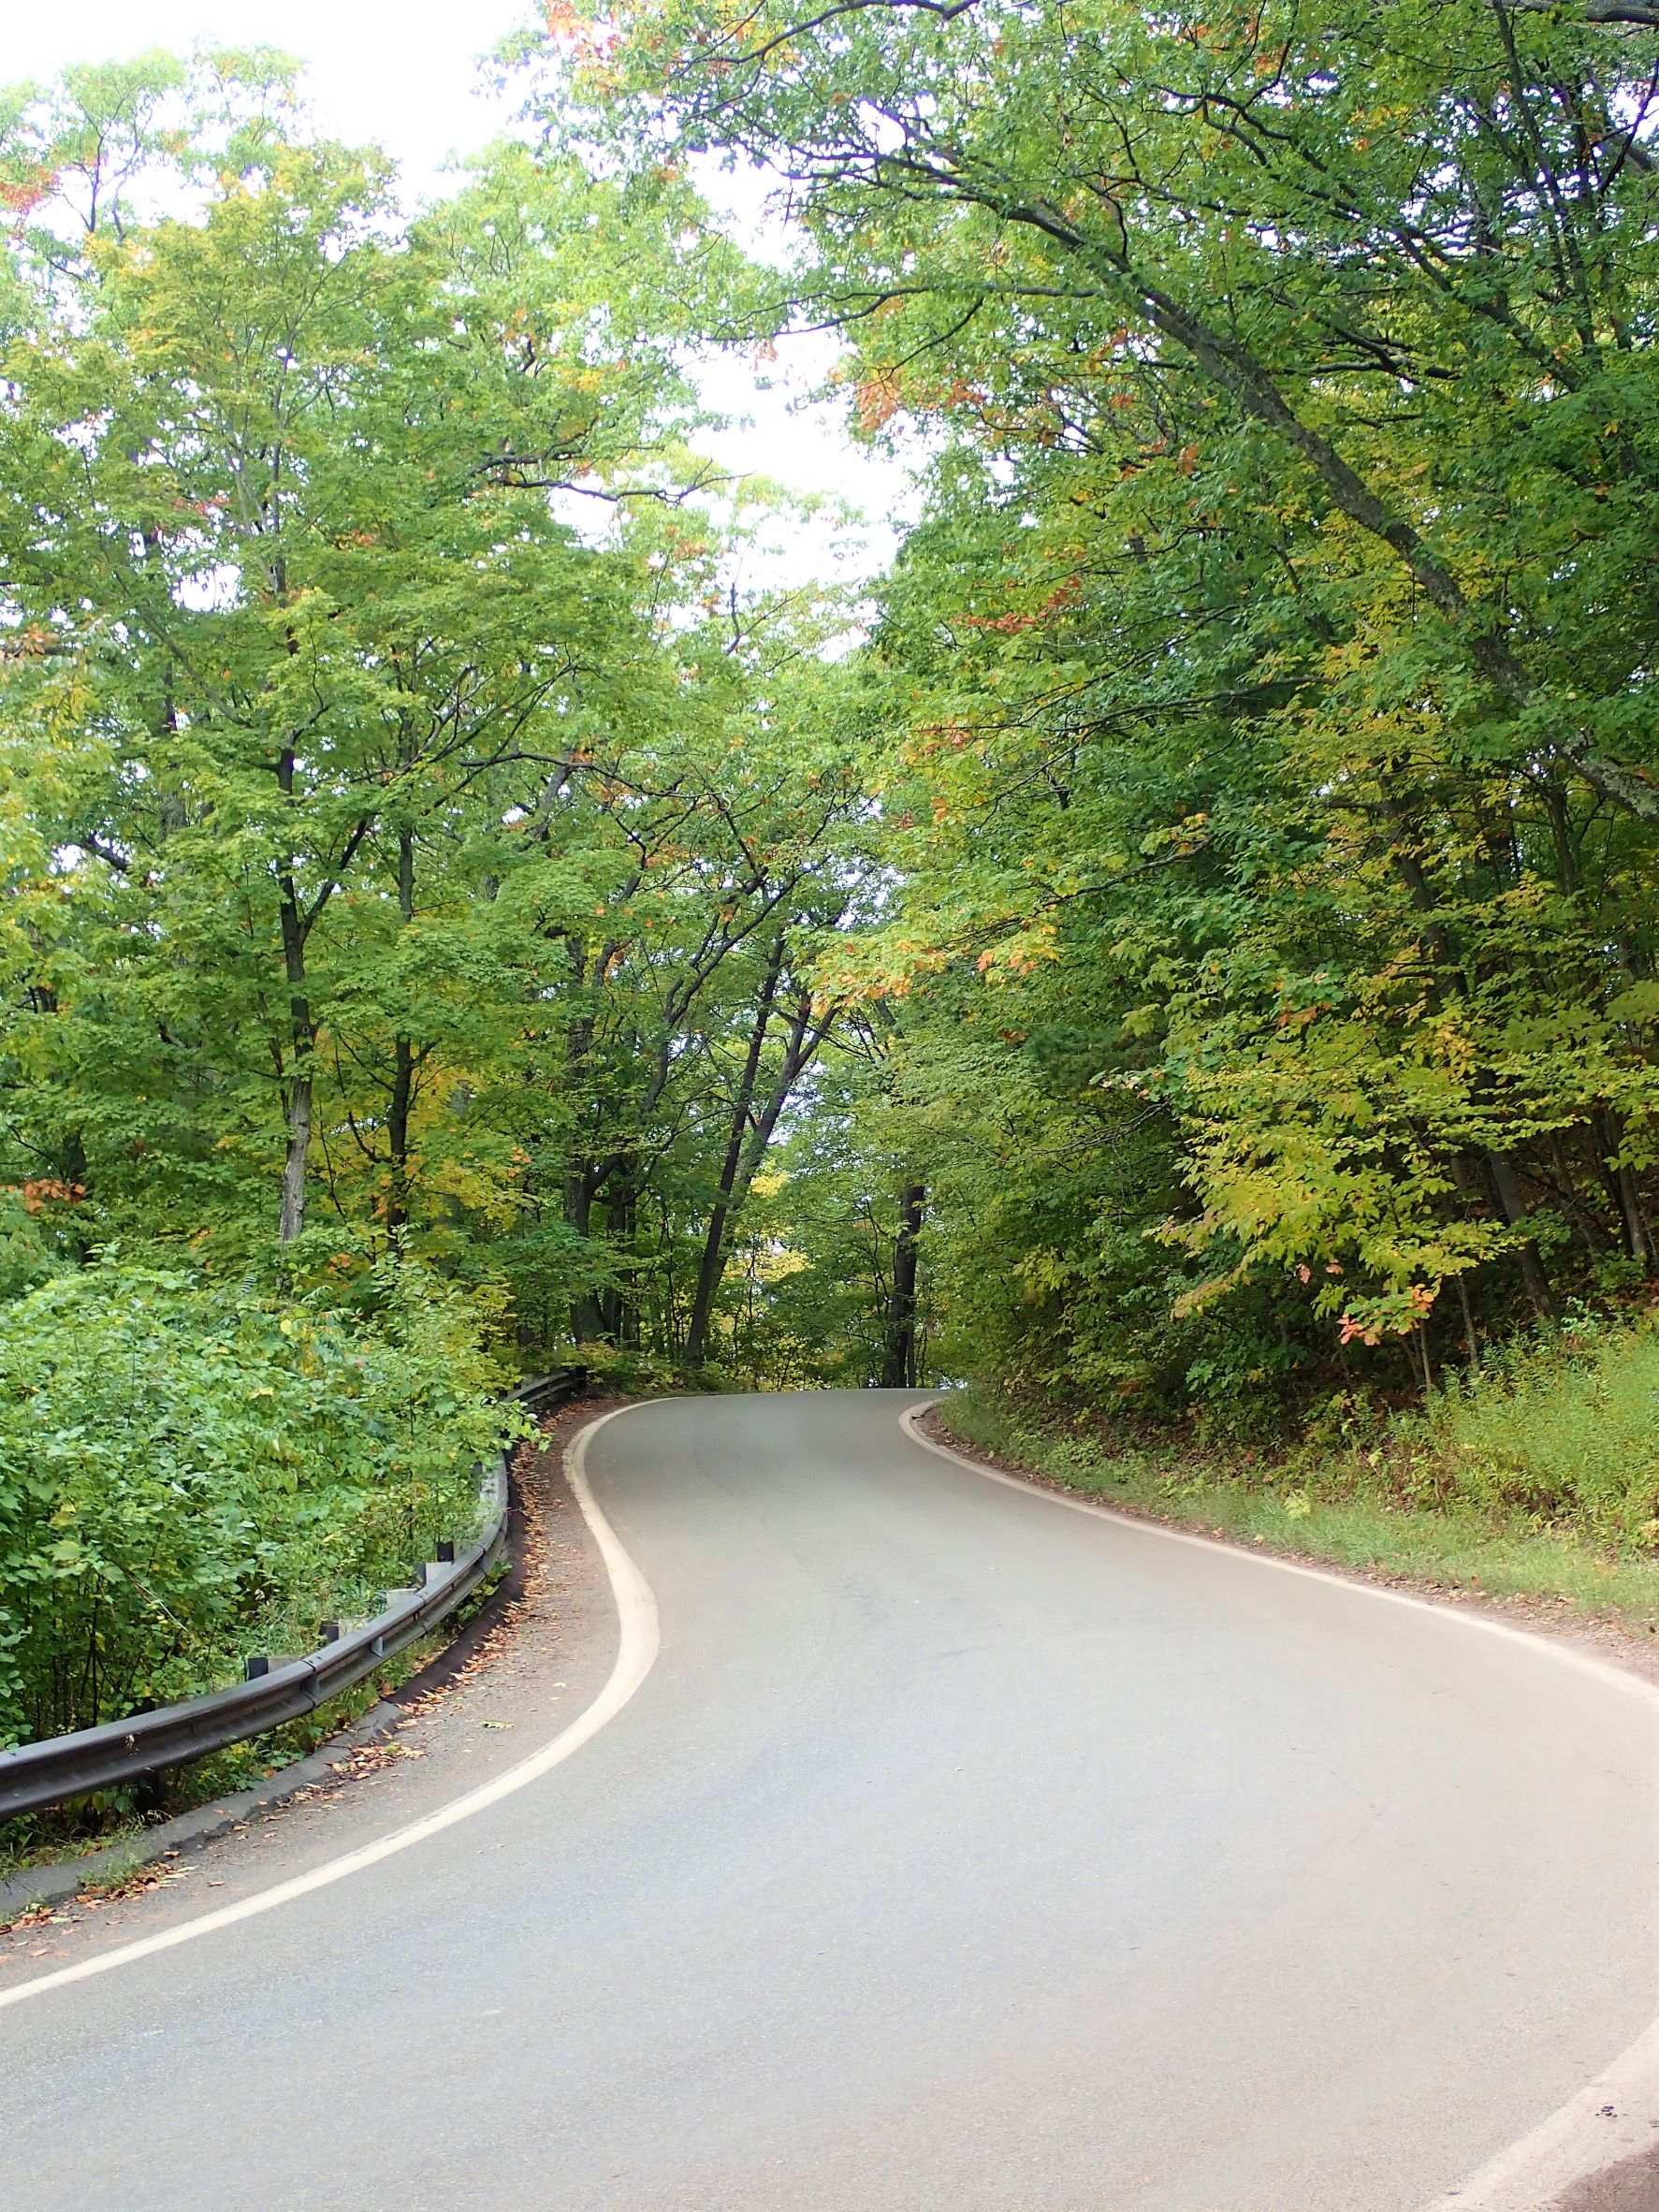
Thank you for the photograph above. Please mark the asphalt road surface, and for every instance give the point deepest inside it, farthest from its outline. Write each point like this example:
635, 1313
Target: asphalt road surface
959, 1854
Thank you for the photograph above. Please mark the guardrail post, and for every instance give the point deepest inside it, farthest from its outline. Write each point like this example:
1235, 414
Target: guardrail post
276, 1688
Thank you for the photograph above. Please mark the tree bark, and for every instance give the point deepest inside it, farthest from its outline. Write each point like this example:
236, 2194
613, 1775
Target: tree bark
712, 1264
619, 1317
900, 1365
1513, 1207
1638, 1237
291, 1221
302, 1039
1606, 1138
397, 1205
586, 1322
1471, 1337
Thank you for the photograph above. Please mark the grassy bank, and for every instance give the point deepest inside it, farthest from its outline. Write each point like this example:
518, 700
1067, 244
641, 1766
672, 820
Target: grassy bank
1536, 1484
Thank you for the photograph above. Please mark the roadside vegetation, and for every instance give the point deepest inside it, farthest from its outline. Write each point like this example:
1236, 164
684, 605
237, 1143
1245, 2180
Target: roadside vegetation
1529, 1484
187, 1478
1180, 949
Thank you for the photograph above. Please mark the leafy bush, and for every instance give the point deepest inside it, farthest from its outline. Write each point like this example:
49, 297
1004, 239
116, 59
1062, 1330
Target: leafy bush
1563, 1431
188, 1474
621, 1370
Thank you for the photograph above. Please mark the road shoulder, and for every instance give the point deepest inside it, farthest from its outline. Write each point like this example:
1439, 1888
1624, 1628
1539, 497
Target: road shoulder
530, 1662
1599, 2152
1607, 1639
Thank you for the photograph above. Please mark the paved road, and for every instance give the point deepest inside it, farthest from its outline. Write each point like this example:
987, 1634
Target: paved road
961, 1854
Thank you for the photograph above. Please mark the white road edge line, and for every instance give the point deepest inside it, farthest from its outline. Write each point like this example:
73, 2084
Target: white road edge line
1614, 2118
636, 1652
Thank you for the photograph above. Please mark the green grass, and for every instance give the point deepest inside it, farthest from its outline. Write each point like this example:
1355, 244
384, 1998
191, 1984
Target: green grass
1344, 1507
1565, 1428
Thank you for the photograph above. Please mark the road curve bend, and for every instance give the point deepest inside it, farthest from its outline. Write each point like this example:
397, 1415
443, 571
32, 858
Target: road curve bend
956, 1854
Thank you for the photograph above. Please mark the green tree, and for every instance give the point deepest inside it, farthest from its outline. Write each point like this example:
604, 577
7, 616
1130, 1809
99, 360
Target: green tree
1270, 680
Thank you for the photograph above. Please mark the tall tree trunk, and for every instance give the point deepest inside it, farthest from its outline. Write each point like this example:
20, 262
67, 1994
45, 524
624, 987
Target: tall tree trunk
1471, 1338
1621, 1186
1512, 1205
301, 1036
583, 1178
1581, 1218
712, 1264
397, 1205
1638, 1235
899, 1364
586, 1323
617, 1321
302, 1039
291, 1222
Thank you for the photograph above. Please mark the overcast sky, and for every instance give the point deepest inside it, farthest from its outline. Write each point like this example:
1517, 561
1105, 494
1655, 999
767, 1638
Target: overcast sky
405, 75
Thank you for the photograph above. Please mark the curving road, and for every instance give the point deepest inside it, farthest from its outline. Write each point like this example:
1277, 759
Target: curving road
959, 1854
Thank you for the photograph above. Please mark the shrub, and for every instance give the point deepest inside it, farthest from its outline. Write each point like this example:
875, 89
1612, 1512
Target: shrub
189, 1472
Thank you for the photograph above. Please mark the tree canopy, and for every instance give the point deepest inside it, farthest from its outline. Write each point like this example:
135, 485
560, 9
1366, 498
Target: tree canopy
1186, 938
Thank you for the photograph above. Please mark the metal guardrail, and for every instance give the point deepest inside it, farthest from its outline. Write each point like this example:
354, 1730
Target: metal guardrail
36, 1775
542, 1393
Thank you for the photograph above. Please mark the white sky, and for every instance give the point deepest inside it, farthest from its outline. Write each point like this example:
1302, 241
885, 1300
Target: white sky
405, 75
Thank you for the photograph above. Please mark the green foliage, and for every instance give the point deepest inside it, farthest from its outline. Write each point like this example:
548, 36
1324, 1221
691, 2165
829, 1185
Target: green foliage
405, 803
1271, 786
191, 1470
614, 1370
1207, 921
810, 1297
1560, 1432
